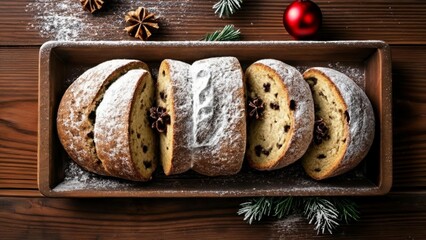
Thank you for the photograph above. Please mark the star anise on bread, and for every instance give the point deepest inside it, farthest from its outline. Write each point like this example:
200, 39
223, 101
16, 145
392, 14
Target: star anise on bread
256, 108
91, 5
320, 131
160, 118
141, 23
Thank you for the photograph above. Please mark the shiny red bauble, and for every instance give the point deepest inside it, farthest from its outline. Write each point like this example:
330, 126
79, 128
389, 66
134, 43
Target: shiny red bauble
302, 19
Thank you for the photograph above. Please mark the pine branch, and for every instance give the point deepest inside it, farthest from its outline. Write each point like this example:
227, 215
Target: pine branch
284, 206
225, 8
322, 213
255, 209
348, 209
228, 33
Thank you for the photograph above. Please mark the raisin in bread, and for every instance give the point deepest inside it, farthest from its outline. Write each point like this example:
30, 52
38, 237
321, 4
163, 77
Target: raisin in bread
218, 136
76, 112
174, 95
344, 124
124, 141
281, 114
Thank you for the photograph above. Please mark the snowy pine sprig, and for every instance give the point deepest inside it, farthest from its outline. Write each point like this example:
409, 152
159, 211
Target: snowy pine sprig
225, 8
325, 213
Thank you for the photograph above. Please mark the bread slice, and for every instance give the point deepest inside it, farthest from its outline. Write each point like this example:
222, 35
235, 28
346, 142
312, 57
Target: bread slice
76, 112
281, 114
174, 94
344, 128
218, 136
124, 141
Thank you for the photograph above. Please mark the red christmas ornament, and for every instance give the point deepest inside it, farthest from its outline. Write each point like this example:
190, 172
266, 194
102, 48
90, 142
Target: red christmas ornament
302, 19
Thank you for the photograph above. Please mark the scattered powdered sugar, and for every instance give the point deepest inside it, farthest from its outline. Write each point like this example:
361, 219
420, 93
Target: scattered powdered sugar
77, 178
356, 73
65, 20
290, 224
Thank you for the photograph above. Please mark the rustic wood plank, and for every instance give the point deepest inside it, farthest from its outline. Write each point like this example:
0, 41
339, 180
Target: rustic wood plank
32, 22
409, 71
18, 117
388, 217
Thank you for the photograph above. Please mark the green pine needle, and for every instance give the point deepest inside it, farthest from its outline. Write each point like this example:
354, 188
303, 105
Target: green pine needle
284, 206
228, 33
348, 209
225, 8
255, 209
324, 213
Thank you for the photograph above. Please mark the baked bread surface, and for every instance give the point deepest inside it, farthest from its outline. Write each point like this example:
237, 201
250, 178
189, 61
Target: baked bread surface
124, 140
283, 130
218, 136
174, 93
76, 112
347, 119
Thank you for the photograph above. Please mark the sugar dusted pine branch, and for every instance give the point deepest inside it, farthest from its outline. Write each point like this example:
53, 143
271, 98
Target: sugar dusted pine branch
225, 8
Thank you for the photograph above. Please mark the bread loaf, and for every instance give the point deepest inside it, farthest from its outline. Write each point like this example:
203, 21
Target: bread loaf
174, 95
281, 114
76, 112
344, 124
218, 136
124, 141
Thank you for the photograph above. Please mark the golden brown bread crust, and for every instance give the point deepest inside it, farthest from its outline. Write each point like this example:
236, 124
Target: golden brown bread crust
174, 94
219, 126
76, 111
285, 131
120, 152
355, 136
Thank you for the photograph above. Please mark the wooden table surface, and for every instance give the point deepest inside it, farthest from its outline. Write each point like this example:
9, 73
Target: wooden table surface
25, 213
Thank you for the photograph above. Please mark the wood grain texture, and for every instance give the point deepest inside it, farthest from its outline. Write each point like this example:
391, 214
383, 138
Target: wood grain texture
18, 117
31, 22
389, 217
409, 71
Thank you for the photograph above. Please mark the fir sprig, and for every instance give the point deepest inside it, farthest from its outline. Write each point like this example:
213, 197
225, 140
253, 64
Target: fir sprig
324, 213
225, 8
228, 33
255, 209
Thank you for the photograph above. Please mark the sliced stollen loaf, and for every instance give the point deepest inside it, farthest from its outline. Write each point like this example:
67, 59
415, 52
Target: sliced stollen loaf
173, 95
344, 124
76, 112
124, 141
281, 114
218, 136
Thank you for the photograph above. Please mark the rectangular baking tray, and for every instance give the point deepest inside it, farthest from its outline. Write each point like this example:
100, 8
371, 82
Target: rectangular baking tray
367, 62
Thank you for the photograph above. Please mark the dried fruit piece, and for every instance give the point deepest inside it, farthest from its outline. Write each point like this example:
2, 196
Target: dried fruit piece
160, 118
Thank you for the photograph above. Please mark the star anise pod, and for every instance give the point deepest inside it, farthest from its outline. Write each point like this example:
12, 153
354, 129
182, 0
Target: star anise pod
160, 118
91, 5
256, 108
320, 131
141, 23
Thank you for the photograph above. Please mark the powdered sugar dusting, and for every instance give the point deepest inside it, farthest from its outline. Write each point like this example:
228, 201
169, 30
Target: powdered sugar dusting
357, 74
218, 112
298, 91
111, 131
77, 178
65, 20
361, 115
